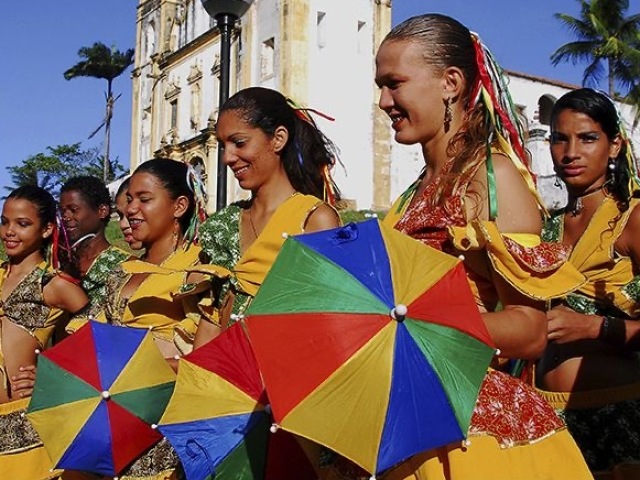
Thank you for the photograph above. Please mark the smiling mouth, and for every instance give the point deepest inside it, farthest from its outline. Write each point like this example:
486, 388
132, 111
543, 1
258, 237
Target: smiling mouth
240, 171
396, 120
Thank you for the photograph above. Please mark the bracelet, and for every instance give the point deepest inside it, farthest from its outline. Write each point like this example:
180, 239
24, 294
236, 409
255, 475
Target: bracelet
613, 331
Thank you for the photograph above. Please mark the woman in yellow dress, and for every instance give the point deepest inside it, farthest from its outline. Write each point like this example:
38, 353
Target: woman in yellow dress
476, 199
591, 370
276, 152
164, 207
34, 297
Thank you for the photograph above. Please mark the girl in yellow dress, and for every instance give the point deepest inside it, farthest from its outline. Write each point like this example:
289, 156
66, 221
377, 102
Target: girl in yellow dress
33, 298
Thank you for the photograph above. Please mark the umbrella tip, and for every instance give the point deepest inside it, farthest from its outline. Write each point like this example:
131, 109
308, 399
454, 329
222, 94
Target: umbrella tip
274, 427
461, 258
285, 235
372, 477
106, 395
154, 426
37, 350
399, 312
498, 351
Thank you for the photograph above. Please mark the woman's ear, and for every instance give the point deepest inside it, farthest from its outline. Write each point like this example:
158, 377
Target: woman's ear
453, 82
614, 146
181, 205
280, 139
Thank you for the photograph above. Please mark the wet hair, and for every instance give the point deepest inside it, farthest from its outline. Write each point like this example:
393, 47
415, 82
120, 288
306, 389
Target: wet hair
601, 109
91, 189
41, 199
307, 151
172, 175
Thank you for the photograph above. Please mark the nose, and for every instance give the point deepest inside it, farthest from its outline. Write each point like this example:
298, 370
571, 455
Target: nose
131, 208
385, 102
571, 151
228, 157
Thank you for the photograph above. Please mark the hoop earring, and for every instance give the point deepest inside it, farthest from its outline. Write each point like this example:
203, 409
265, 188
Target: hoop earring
447, 114
175, 234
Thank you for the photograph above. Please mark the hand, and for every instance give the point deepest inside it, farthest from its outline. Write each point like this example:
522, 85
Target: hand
22, 383
565, 325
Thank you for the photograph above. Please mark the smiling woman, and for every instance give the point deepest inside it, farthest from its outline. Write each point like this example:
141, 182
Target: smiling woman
34, 298
277, 153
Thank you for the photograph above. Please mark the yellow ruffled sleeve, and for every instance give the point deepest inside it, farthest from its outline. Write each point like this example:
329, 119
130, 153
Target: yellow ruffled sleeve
537, 269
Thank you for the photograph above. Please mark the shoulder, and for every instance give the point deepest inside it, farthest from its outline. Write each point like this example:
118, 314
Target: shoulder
518, 210
323, 217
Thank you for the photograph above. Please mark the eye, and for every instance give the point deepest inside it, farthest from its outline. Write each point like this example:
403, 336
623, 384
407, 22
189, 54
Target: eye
24, 224
239, 143
557, 138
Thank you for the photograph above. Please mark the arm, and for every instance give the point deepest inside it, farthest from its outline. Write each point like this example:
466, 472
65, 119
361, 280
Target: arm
68, 296
322, 218
519, 330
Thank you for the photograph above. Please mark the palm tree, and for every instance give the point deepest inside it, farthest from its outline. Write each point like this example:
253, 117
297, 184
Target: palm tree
100, 61
605, 37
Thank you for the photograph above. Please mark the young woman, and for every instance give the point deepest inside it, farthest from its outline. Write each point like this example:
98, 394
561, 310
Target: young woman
276, 152
33, 298
476, 199
591, 368
85, 205
163, 213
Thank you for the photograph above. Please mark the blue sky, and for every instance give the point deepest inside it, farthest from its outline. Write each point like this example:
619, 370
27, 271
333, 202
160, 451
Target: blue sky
39, 108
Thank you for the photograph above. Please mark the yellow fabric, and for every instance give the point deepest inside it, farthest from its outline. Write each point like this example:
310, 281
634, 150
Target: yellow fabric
152, 306
31, 464
593, 253
591, 398
561, 279
201, 394
288, 219
556, 457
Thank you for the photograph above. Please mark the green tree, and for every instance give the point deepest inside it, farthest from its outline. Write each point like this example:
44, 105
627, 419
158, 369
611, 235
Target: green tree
606, 40
100, 61
52, 168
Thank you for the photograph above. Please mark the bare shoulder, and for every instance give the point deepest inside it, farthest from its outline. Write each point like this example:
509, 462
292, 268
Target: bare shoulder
61, 292
322, 218
517, 207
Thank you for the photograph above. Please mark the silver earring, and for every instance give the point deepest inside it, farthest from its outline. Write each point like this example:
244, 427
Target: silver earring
557, 182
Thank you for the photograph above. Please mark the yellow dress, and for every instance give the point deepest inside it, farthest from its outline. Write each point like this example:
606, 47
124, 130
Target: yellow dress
153, 307
22, 455
514, 433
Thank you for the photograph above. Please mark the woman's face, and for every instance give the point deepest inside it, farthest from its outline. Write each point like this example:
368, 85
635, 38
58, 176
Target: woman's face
580, 150
150, 209
410, 92
79, 217
20, 228
121, 206
252, 155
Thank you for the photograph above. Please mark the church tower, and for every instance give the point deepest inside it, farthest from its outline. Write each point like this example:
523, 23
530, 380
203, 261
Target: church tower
320, 53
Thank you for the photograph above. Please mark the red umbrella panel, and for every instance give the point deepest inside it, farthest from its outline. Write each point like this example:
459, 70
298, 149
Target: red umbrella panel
369, 343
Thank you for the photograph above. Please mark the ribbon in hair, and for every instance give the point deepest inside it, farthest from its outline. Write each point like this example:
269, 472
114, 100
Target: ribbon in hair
194, 182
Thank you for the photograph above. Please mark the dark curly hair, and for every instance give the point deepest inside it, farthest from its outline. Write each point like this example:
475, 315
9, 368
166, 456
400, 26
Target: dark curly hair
307, 151
92, 189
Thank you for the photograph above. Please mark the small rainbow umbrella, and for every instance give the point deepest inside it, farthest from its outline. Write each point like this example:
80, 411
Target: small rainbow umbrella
218, 419
96, 395
369, 343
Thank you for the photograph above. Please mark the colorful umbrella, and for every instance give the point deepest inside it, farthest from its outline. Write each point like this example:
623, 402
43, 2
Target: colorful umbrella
219, 420
96, 395
369, 343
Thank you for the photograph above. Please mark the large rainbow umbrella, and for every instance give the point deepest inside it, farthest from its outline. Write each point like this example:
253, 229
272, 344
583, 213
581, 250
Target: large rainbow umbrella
219, 420
96, 395
369, 343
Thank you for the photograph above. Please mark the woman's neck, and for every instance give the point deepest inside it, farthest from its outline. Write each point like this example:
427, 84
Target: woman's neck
435, 153
161, 249
269, 197
19, 265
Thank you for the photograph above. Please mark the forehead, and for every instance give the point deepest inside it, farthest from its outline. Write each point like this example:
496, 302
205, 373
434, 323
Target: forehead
19, 207
73, 197
144, 182
572, 119
399, 56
